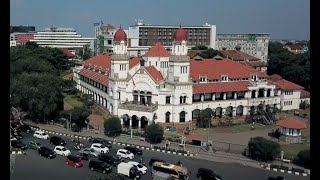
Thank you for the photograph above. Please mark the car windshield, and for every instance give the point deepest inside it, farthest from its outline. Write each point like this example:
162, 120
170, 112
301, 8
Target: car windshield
140, 166
64, 149
37, 144
102, 146
128, 152
43, 134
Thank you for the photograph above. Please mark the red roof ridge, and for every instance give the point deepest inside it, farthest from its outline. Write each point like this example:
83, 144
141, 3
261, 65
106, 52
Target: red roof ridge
292, 122
157, 51
154, 73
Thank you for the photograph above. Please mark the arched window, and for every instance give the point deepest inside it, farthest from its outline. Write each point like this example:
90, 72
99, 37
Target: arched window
182, 116
168, 117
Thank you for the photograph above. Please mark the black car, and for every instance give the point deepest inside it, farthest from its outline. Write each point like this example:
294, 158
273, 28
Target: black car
113, 160
46, 152
16, 134
102, 141
276, 178
84, 156
207, 174
97, 165
58, 141
134, 150
19, 145
25, 128
152, 160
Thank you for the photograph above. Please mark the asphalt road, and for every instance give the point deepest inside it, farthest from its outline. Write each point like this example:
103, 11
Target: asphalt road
32, 166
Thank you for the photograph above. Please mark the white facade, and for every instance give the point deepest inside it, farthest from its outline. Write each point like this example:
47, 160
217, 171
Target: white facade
290, 99
62, 38
138, 98
13, 43
255, 44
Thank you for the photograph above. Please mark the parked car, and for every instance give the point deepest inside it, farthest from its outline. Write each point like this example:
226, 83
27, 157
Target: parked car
41, 135
152, 160
84, 155
134, 150
97, 165
102, 141
46, 152
113, 160
90, 151
14, 127
123, 153
12, 138
99, 147
25, 128
19, 145
16, 134
74, 161
60, 150
57, 141
208, 174
276, 178
34, 145
143, 169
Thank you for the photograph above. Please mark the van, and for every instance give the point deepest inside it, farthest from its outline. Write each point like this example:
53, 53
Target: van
207, 174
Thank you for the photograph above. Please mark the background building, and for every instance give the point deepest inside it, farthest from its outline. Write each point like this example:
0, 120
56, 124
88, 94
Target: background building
143, 36
22, 29
104, 37
63, 38
255, 44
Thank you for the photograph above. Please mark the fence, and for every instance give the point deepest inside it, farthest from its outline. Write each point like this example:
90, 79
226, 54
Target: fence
229, 147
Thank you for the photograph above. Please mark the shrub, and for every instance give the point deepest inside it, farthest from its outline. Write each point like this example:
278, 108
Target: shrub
263, 149
303, 158
112, 126
154, 133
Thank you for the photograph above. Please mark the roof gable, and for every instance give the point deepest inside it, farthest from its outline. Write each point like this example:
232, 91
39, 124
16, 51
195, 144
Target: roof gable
157, 51
100, 61
304, 94
238, 55
154, 73
134, 61
284, 84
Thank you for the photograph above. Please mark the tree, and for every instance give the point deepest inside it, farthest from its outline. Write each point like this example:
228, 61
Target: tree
304, 105
210, 53
112, 126
154, 133
205, 117
303, 158
87, 53
200, 47
263, 149
79, 116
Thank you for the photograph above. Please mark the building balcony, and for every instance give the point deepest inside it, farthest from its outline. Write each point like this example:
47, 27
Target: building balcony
137, 107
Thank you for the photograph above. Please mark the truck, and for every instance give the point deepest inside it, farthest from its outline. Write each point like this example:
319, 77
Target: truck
128, 170
162, 176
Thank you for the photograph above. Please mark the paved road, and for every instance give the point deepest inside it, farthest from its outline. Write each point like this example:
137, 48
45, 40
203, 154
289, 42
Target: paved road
32, 166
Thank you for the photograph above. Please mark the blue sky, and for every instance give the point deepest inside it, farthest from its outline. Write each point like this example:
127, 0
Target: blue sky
288, 19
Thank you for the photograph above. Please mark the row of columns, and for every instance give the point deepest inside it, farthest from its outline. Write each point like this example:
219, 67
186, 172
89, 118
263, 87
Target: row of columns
97, 98
130, 122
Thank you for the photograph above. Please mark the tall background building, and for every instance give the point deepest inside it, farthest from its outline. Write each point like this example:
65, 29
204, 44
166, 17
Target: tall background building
254, 44
104, 37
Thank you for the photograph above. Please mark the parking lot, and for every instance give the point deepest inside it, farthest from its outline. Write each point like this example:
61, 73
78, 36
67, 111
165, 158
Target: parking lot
33, 166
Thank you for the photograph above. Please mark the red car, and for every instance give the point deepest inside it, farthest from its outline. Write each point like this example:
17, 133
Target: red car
74, 161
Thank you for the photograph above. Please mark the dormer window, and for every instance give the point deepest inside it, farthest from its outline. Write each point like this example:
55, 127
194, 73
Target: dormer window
254, 77
224, 77
203, 79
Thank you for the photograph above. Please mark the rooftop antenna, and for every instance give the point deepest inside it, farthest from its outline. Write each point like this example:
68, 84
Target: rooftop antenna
120, 26
180, 25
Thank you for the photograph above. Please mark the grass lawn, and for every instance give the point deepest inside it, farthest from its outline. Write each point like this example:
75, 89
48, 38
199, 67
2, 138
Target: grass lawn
72, 100
230, 129
291, 150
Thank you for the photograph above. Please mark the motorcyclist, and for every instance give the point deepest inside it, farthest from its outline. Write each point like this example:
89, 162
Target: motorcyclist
179, 163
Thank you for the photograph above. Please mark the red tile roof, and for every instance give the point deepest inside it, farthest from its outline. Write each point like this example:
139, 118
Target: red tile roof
68, 76
292, 123
157, 51
284, 84
295, 46
67, 53
154, 73
96, 76
109, 26
220, 87
134, 61
102, 60
254, 63
238, 55
304, 94
214, 68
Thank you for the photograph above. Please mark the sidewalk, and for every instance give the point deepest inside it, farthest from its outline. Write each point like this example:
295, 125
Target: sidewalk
218, 156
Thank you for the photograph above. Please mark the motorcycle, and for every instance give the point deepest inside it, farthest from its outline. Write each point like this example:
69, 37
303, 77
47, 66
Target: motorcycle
78, 146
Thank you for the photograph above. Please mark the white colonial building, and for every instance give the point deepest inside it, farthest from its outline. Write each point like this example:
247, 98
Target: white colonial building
170, 87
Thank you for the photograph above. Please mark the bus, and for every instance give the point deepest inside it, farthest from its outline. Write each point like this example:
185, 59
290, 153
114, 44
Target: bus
177, 172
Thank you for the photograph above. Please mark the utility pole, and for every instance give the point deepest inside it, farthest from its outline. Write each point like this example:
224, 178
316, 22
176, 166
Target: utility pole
70, 122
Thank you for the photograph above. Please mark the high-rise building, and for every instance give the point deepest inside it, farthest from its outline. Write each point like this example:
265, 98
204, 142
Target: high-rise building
254, 44
104, 37
22, 29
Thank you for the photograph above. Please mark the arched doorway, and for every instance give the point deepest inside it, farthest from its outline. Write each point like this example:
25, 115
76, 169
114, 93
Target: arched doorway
229, 110
135, 121
182, 116
219, 112
167, 118
196, 114
126, 120
144, 122
240, 110
149, 97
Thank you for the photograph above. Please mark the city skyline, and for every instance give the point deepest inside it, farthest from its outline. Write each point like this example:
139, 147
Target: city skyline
283, 19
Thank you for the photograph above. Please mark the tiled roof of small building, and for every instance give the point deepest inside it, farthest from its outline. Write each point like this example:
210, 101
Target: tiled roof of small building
292, 123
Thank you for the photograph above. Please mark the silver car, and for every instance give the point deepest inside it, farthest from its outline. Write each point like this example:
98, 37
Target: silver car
90, 151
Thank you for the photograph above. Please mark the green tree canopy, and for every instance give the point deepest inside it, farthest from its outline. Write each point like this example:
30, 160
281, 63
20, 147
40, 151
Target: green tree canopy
303, 158
210, 53
112, 126
87, 53
204, 118
200, 47
154, 133
79, 116
263, 149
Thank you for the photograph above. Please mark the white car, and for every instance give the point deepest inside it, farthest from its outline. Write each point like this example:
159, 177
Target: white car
123, 153
99, 147
143, 169
12, 138
41, 135
62, 151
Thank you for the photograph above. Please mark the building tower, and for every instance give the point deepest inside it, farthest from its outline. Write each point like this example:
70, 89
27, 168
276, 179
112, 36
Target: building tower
119, 60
